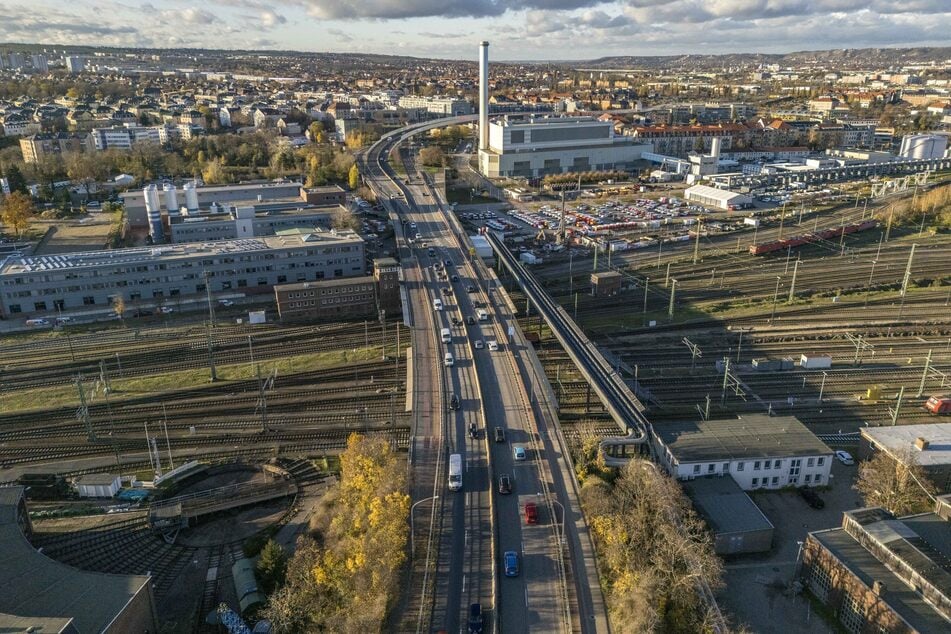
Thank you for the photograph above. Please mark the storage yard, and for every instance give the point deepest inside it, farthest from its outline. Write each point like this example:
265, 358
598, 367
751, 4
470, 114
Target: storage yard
287, 397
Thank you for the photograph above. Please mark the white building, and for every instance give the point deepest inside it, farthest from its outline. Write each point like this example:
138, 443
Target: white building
40, 64
74, 64
98, 485
923, 146
717, 198
534, 147
448, 106
756, 450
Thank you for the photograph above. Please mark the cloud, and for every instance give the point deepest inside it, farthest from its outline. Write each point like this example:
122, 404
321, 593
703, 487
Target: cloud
341, 36
270, 19
402, 9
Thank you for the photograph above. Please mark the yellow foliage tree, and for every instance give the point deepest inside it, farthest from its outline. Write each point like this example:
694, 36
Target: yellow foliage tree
16, 211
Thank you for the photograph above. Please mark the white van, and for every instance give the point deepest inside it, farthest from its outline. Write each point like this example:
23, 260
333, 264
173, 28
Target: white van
483, 316
445, 335
437, 304
447, 360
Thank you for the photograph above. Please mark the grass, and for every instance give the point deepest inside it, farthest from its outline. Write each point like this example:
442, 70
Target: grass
67, 395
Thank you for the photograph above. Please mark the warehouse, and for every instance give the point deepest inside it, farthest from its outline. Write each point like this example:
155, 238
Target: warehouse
38, 594
929, 445
59, 283
717, 198
98, 485
737, 524
758, 451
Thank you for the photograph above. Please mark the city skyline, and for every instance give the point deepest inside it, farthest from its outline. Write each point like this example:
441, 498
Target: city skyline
529, 30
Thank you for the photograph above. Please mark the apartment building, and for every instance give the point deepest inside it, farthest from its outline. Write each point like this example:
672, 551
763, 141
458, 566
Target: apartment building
38, 146
446, 106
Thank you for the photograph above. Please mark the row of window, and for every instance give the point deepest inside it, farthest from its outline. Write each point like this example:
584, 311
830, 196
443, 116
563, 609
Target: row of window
337, 290
764, 465
766, 482
351, 299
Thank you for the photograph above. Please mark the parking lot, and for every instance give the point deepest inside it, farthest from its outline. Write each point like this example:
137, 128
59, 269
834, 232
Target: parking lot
757, 586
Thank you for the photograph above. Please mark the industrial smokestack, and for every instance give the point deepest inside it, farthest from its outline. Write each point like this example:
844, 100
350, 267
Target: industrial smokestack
715, 148
484, 96
153, 210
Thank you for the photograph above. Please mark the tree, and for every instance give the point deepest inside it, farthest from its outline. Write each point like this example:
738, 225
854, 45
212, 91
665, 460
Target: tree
343, 219
353, 177
118, 306
316, 132
85, 169
898, 485
15, 180
16, 210
271, 566
432, 156
213, 172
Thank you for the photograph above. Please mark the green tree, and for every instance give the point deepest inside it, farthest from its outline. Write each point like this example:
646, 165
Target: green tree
271, 566
353, 177
15, 180
85, 169
16, 210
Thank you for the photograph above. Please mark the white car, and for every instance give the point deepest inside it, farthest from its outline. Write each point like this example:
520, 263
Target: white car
166, 310
844, 457
479, 344
226, 302
493, 346
38, 322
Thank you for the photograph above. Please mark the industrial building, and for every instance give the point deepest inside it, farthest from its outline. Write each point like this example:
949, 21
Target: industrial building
38, 594
929, 445
717, 198
231, 223
756, 450
879, 573
533, 147
737, 524
365, 296
49, 284
923, 146
98, 485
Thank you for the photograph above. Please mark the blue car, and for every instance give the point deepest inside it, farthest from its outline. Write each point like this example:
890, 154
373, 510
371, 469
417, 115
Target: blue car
511, 563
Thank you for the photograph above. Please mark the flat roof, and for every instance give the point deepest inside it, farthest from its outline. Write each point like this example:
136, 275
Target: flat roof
749, 436
97, 479
713, 192
33, 585
725, 506
898, 438
910, 605
337, 281
89, 259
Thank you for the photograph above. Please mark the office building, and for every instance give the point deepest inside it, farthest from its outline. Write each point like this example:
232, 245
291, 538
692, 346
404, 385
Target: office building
367, 296
757, 451
246, 222
38, 146
15, 61
928, 445
881, 573
40, 63
444, 106
42, 285
38, 594
533, 147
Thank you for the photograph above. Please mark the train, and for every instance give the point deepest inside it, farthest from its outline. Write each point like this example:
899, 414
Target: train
808, 238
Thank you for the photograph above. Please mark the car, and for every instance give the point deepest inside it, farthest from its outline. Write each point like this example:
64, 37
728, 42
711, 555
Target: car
479, 344
448, 262
510, 559
419, 236
470, 288
445, 290
38, 322
470, 320
475, 618
493, 345
531, 513
226, 302
438, 266
473, 430
499, 434
518, 452
166, 310
454, 402
63, 320
505, 484
455, 321
455, 278
811, 497
844, 457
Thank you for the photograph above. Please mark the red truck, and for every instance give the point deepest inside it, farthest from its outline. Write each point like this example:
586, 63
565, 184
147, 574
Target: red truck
939, 405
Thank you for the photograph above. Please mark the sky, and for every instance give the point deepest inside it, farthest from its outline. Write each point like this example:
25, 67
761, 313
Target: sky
517, 29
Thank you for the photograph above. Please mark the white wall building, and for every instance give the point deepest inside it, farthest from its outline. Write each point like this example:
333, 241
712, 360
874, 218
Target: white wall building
923, 146
98, 485
534, 147
74, 64
757, 451
717, 198
448, 106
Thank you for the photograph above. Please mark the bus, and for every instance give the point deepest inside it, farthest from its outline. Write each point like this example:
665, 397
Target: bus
455, 472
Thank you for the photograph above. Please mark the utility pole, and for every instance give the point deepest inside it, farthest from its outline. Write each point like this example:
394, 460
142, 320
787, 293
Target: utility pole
667, 277
646, 282
211, 304
888, 226
211, 356
782, 221
924, 374
263, 405
868, 287
897, 409
775, 296
673, 292
696, 244
576, 306
792, 286
726, 379
694, 352
822, 387
83, 413
905, 280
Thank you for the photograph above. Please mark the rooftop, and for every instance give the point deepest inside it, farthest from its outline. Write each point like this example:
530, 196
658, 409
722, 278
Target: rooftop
725, 506
36, 588
341, 281
902, 437
750, 436
713, 192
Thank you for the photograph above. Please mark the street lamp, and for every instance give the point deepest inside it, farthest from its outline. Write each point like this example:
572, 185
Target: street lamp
412, 543
559, 526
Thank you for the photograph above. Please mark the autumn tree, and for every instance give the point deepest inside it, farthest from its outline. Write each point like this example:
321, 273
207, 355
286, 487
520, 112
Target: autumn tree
353, 177
212, 172
85, 169
898, 485
16, 210
118, 306
432, 156
343, 219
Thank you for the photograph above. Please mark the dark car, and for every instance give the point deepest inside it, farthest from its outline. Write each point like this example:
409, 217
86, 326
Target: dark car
812, 498
470, 320
511, 563
445, 290
454, 402
505, 484
473, 431
448, 262
475, 618
499, 434
470, 289
455, 278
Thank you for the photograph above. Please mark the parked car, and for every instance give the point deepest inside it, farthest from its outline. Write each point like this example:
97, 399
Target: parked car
39, 322
470, 320
505, 484
226, 302
470, 288
493, 346
531, 513
499, 434
455, 278
511, 563
844, 457
811, 497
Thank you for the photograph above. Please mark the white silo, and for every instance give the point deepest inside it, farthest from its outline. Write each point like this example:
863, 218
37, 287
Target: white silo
484, 96
153, 210
171, 199
715, 147
191, 196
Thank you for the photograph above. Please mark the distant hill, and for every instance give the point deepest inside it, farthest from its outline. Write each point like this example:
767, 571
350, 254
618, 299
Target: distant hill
848, 58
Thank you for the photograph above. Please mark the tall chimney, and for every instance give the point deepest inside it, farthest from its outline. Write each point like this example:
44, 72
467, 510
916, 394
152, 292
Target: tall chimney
484, 96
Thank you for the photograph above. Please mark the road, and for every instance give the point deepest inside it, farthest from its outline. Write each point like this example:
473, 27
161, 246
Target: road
471, 529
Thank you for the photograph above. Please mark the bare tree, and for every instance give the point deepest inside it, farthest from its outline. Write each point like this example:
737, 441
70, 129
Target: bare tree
899, 485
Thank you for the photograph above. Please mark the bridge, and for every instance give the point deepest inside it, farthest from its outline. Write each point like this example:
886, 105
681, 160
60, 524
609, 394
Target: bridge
173, 514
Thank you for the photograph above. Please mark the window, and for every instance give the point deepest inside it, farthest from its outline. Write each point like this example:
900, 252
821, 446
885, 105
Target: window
793, 479
810, 462
818, 478
820, 461
15, 308
38, 306
820, 582
766, 464
777, 464
696, 468
89, 300
740, 466
518, 136
808, 478
850, 614
756, 466
775, 481
711, 467
726, 467
755, 482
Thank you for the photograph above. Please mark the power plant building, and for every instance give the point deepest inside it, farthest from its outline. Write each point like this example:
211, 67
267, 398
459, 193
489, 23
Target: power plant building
40, 285
534, 147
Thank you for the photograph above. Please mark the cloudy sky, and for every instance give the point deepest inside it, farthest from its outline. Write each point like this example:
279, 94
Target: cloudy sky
517, 29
